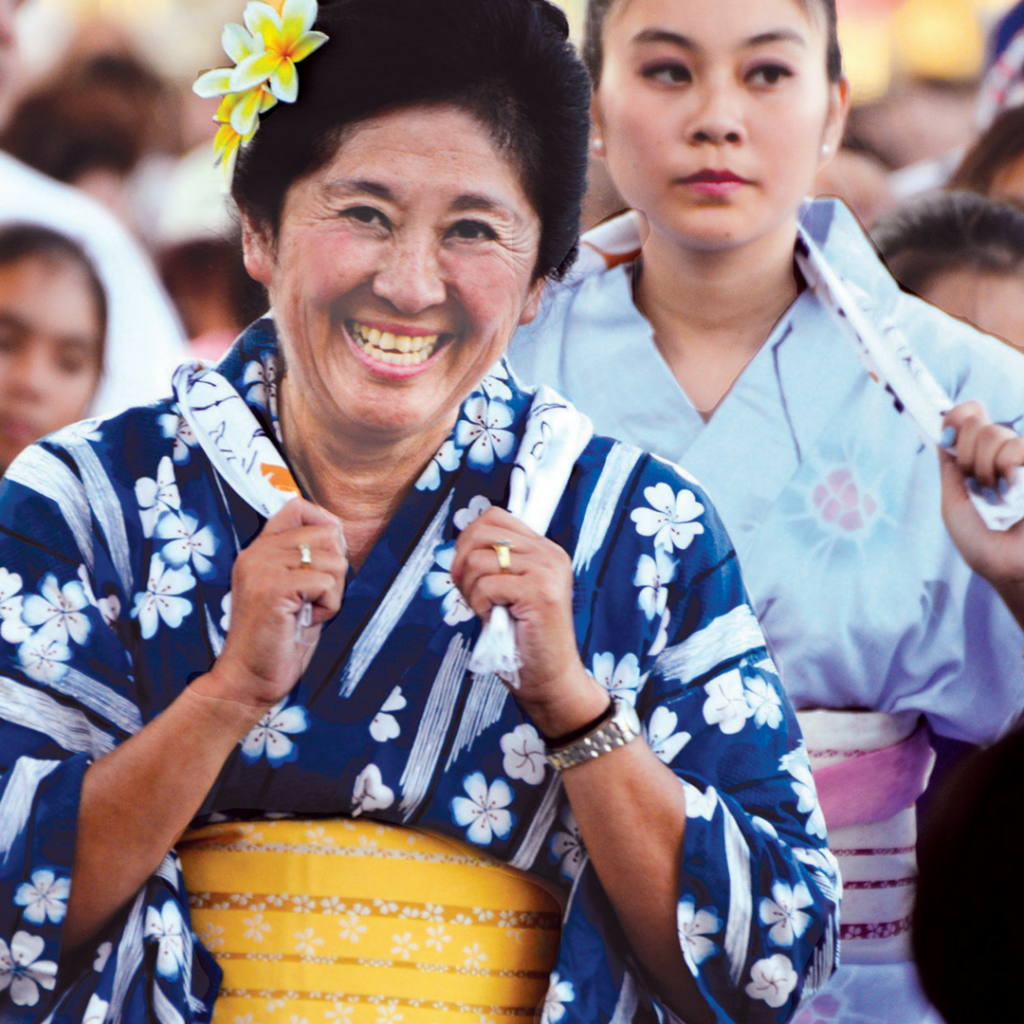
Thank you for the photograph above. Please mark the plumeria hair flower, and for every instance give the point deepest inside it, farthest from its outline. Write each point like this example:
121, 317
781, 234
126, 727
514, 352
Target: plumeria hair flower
277, 35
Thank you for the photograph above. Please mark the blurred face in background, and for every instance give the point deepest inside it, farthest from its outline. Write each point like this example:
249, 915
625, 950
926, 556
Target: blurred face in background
992, 302
9, 60
51, 349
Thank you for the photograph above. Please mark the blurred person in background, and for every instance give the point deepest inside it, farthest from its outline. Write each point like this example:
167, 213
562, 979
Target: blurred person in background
141, 317
994, 165
962, 253
53, 319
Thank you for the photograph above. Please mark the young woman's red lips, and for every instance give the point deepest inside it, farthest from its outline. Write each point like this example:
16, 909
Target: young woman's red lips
714, 177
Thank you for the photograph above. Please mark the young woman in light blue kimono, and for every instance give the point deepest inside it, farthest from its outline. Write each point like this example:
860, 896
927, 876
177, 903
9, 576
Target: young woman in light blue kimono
686, 328
185, 637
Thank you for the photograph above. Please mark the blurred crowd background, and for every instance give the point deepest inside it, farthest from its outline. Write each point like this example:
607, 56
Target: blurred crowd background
100, 99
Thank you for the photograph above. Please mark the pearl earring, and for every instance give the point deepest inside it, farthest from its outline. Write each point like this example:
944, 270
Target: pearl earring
826, 149
598, 146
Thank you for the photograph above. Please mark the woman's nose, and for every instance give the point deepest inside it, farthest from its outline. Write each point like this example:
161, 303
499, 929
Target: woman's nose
410, 279
31, 373
718, 118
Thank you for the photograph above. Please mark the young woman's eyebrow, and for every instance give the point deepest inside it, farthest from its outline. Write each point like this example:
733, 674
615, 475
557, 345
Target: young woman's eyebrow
663, 35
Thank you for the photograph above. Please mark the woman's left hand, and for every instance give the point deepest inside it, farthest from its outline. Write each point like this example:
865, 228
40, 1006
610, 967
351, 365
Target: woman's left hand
555, 689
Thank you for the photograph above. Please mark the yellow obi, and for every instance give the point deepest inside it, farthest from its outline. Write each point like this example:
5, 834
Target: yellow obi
347, 921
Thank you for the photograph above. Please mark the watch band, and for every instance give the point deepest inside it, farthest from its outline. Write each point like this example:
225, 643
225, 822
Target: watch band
623, 727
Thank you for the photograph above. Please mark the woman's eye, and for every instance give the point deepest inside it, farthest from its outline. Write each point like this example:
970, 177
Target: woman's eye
365, 215
671, 73
769, 74
472, 230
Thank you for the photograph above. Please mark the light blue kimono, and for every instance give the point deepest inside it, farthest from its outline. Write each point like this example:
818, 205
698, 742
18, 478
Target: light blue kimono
116, 546
830, 497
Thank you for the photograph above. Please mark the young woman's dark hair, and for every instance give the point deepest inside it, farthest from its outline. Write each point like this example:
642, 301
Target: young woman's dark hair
21, 241
1001, 144
508, 62
598, 11
950, 231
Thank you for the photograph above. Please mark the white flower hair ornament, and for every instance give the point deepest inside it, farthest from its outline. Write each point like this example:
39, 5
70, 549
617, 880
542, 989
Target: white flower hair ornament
277, 35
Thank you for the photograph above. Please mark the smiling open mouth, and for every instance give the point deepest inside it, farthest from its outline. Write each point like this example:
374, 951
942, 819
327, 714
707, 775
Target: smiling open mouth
398, 349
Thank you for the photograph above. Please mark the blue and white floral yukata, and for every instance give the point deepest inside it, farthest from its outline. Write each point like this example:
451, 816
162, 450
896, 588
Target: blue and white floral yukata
833, 503
117, 540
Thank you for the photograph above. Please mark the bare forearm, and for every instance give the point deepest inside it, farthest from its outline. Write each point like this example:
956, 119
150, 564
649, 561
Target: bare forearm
631, 811
138, 799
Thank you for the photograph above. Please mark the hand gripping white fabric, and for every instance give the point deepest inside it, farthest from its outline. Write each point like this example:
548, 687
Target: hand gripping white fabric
556, 434
236, 445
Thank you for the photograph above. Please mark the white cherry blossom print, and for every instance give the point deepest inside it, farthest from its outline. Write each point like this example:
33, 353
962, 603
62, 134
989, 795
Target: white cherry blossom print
694, 927
44, 897
22, 973
56, 611
370, 793
661, 640
225, 612
385, 726
12, 626
661, 734
494, 386
167, 928
477, 506
446, 459
158, 495
765, 701
653, 576
726, 705
559, 993
185, 540
260, 381
784, 912
439, 584
670, 520
622, 681
483, 432
772, 980
173, 425
700, 804
484, 810
95, 1010
271, 735
162, 599
103, 951
797, 764
525, 756
567, 847
44, 660
110, 609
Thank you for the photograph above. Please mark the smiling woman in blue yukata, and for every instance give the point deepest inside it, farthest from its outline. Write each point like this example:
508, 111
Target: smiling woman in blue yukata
255, 611
687, 329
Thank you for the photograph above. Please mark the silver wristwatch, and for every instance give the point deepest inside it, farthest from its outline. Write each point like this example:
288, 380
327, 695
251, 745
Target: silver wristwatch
622, 728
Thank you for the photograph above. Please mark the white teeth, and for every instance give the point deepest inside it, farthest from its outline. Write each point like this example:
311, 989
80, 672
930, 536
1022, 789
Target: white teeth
398, 349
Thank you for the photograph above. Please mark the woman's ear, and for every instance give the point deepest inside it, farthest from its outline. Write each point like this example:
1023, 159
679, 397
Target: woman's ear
532, 301
259, 251
835, 123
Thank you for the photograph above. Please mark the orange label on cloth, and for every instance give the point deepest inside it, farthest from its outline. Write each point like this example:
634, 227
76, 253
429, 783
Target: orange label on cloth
279, 478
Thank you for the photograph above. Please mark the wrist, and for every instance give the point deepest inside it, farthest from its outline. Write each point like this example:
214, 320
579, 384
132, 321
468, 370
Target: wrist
567, 705
224, 700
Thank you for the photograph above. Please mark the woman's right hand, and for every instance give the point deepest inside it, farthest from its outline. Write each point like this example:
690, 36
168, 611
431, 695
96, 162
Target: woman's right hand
266, 649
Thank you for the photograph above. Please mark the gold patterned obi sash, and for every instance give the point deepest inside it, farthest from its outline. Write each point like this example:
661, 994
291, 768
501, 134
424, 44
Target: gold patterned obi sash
348, 921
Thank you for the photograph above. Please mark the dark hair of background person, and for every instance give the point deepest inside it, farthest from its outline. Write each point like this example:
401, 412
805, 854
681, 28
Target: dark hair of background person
1001, 144
509, 63
20, 242
950, 231
967, 935
598, 11
101, 113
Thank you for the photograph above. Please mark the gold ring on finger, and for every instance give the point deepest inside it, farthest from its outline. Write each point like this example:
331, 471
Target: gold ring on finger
503, 549
305, 556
